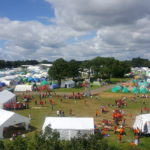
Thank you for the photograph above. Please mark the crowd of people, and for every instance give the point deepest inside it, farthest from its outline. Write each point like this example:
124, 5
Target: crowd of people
16, 106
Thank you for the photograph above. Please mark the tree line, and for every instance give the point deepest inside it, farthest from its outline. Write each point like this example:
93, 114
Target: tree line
99, 67
135, 62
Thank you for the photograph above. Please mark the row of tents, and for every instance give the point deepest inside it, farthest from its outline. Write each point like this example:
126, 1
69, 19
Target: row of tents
134, 89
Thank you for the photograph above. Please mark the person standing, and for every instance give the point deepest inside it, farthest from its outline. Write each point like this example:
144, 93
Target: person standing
136, 139
58, 113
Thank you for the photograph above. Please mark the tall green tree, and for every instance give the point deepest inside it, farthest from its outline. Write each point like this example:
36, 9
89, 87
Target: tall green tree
73, 68
59, 70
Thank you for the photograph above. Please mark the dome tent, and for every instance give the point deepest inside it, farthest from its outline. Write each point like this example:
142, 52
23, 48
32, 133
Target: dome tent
125, 90
44, 82
143, 90
54, 86
116, 89
30, 79
142, 83
134, 81
135, 90
2, 84
36, 79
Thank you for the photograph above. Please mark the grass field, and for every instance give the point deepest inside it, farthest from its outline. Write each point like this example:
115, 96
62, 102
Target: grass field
79, 89
116, 80
86, 107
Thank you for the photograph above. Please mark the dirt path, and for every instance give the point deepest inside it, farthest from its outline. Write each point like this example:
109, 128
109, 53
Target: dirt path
101, 89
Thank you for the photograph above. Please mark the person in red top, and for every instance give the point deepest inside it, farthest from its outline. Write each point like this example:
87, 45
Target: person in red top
41, 103
97, 113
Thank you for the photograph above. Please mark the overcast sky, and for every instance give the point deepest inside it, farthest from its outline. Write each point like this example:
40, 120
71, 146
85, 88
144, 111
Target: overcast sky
74, 29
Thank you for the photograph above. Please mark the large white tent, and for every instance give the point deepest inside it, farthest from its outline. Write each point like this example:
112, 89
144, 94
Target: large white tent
23, 88
142, 122
6, 97
68, 127
8, 118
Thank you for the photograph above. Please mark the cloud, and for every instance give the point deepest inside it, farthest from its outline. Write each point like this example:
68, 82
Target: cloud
94, 14
121, 30
26, 39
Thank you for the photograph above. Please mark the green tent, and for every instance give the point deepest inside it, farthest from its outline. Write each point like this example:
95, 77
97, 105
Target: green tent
143, 90
24, 79
116, 89
135, 90
125, 90
44, 82
134, 81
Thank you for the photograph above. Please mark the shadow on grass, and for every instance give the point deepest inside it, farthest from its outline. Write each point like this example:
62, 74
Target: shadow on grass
16, 131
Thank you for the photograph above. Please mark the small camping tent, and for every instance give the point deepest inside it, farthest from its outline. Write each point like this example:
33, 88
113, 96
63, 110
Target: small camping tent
54, 86
6, 97
125, 90
23, 88
7, 82
8, 118
68, 127
143, 123
116, 89
143, 90
44, 82
135, 90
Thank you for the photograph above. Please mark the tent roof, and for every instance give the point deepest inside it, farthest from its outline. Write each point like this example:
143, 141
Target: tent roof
23, 87
68, 82
8, 118
5, 95
69, 123
145, 117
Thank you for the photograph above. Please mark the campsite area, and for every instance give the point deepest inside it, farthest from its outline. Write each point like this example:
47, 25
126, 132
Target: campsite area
136, 104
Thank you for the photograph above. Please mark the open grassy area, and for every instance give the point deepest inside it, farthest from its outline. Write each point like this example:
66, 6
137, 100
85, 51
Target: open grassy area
86, 107
116, 80
76, 89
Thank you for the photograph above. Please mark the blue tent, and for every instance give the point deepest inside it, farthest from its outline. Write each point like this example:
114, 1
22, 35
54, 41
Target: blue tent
36, 79
54, 86
30, 79
2, 84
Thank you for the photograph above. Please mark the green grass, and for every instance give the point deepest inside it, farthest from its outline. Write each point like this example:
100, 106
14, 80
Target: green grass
86, 108
116, 80
76, 89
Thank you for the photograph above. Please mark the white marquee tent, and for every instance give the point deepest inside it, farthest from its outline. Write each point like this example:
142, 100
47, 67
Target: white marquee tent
6, 97
143, 123
8, 118
23, 88
68, 127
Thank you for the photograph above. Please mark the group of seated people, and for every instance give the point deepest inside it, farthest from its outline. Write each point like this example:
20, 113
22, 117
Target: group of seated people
74, 96
120, 103
16, 106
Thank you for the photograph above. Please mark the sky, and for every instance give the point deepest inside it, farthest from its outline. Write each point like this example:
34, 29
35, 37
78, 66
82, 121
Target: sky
74, 29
